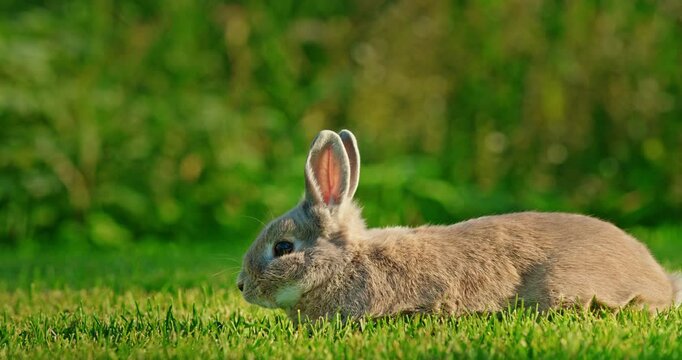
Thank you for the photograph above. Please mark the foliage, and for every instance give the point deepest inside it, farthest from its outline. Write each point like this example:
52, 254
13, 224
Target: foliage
182, 120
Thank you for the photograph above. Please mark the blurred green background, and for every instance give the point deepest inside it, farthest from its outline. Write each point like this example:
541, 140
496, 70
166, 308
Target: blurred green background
124, 121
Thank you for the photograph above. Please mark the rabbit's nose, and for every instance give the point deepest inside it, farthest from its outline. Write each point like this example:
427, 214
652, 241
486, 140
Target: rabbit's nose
240, 285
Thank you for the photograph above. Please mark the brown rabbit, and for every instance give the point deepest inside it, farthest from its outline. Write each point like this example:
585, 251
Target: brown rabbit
319, 259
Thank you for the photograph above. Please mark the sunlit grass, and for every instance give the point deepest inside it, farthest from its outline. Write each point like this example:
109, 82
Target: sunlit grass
159, 301
210, 323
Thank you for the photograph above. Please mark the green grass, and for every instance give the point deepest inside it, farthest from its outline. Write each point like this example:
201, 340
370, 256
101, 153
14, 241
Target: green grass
160, 301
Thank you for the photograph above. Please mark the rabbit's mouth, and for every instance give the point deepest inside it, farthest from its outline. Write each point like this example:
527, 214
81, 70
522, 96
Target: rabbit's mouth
250, 295
264, 303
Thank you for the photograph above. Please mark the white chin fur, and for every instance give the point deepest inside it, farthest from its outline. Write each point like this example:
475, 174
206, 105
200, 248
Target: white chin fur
288, 296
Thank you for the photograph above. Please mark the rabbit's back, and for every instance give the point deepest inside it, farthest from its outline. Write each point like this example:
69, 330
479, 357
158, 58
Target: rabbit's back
565, 259
544, 259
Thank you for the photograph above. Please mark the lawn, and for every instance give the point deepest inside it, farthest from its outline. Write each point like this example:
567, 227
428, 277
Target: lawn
158, 300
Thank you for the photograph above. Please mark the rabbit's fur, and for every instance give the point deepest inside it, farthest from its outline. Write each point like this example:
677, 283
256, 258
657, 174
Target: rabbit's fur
337, 265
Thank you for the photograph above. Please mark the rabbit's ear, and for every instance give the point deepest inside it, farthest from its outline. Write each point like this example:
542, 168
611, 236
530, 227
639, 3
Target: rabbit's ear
327, 170
351, 146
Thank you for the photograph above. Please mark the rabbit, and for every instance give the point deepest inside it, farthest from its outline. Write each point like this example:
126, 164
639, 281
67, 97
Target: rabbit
319, 259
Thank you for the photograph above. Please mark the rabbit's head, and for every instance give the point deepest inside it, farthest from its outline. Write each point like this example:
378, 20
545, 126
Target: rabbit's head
306, 246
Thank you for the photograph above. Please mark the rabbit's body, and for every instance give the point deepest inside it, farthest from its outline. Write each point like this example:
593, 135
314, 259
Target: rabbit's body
486, 264
319, 259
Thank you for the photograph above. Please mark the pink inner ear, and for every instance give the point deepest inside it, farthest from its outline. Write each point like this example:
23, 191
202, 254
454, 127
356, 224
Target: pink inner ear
328, 176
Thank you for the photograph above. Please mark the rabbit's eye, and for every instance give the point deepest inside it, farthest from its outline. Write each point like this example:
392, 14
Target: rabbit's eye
283, 248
